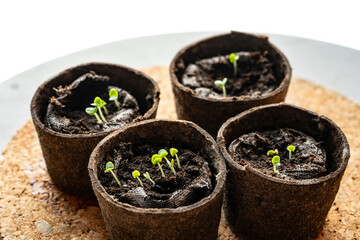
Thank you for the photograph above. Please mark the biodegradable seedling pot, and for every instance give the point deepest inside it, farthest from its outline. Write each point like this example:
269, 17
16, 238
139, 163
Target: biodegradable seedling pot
259, 206
67, 155
199, 220
211, 113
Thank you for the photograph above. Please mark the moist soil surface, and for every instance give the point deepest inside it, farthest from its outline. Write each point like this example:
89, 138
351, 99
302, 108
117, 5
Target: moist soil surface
191, 183
255, 75
66, 111
308, 161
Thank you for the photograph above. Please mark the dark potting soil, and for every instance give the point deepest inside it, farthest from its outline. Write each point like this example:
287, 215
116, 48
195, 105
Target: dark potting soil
307, 161
191, 183
66, 112
255, 75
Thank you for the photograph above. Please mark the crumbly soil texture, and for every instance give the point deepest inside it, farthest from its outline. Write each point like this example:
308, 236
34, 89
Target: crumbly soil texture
255, 75
66, 111
191, 183
308, 161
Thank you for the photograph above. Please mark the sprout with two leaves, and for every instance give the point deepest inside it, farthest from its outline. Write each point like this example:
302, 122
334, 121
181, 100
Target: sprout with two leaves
272, 152
156, 159
162, 153
99, 103
173, 152
136, 175
147, 176
109, 168
113, 94
290, 148
276, 162
92, 112
221, 84
233, 59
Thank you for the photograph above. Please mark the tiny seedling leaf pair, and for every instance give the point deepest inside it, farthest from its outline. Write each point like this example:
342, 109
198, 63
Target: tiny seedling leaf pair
276, 159
272, 152
109, 168
113, 96
98, 104
276, 162
233, 58
290, 148
136, 175
163, 153
157, 159
173, 153
221, 84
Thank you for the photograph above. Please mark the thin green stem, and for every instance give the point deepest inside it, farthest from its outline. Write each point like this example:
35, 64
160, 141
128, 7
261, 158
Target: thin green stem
101, 114
117, 104
105, 110
178, 161
98, 119
162, 172
147, 176
275, 170
171, 167
224, 90
142, 185
117, 180
289, 155
235, 67
152, 181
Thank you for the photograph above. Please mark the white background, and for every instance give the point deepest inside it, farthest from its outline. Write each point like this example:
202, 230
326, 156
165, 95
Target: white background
36, 31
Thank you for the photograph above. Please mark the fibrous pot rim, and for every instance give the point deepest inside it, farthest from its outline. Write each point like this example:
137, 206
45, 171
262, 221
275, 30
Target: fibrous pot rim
43, 127
220, 176
284, 83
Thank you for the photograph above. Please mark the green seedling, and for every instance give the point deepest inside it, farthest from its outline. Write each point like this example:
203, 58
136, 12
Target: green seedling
147, 176
221, 84
163, 153
92, 111
136, 175
171, 166
272, 152
156, 159
290, 148
276, 162
109, 168
99, 103
233, 59
173, 152
113, 94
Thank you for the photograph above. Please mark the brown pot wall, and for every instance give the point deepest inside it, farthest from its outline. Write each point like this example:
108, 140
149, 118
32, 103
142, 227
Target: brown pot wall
197, 221
210, 113
258, 206
67, 155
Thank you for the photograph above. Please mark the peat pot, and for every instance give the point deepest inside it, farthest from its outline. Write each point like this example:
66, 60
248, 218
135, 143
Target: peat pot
259, 206
210, 112
67, 155
199, 220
